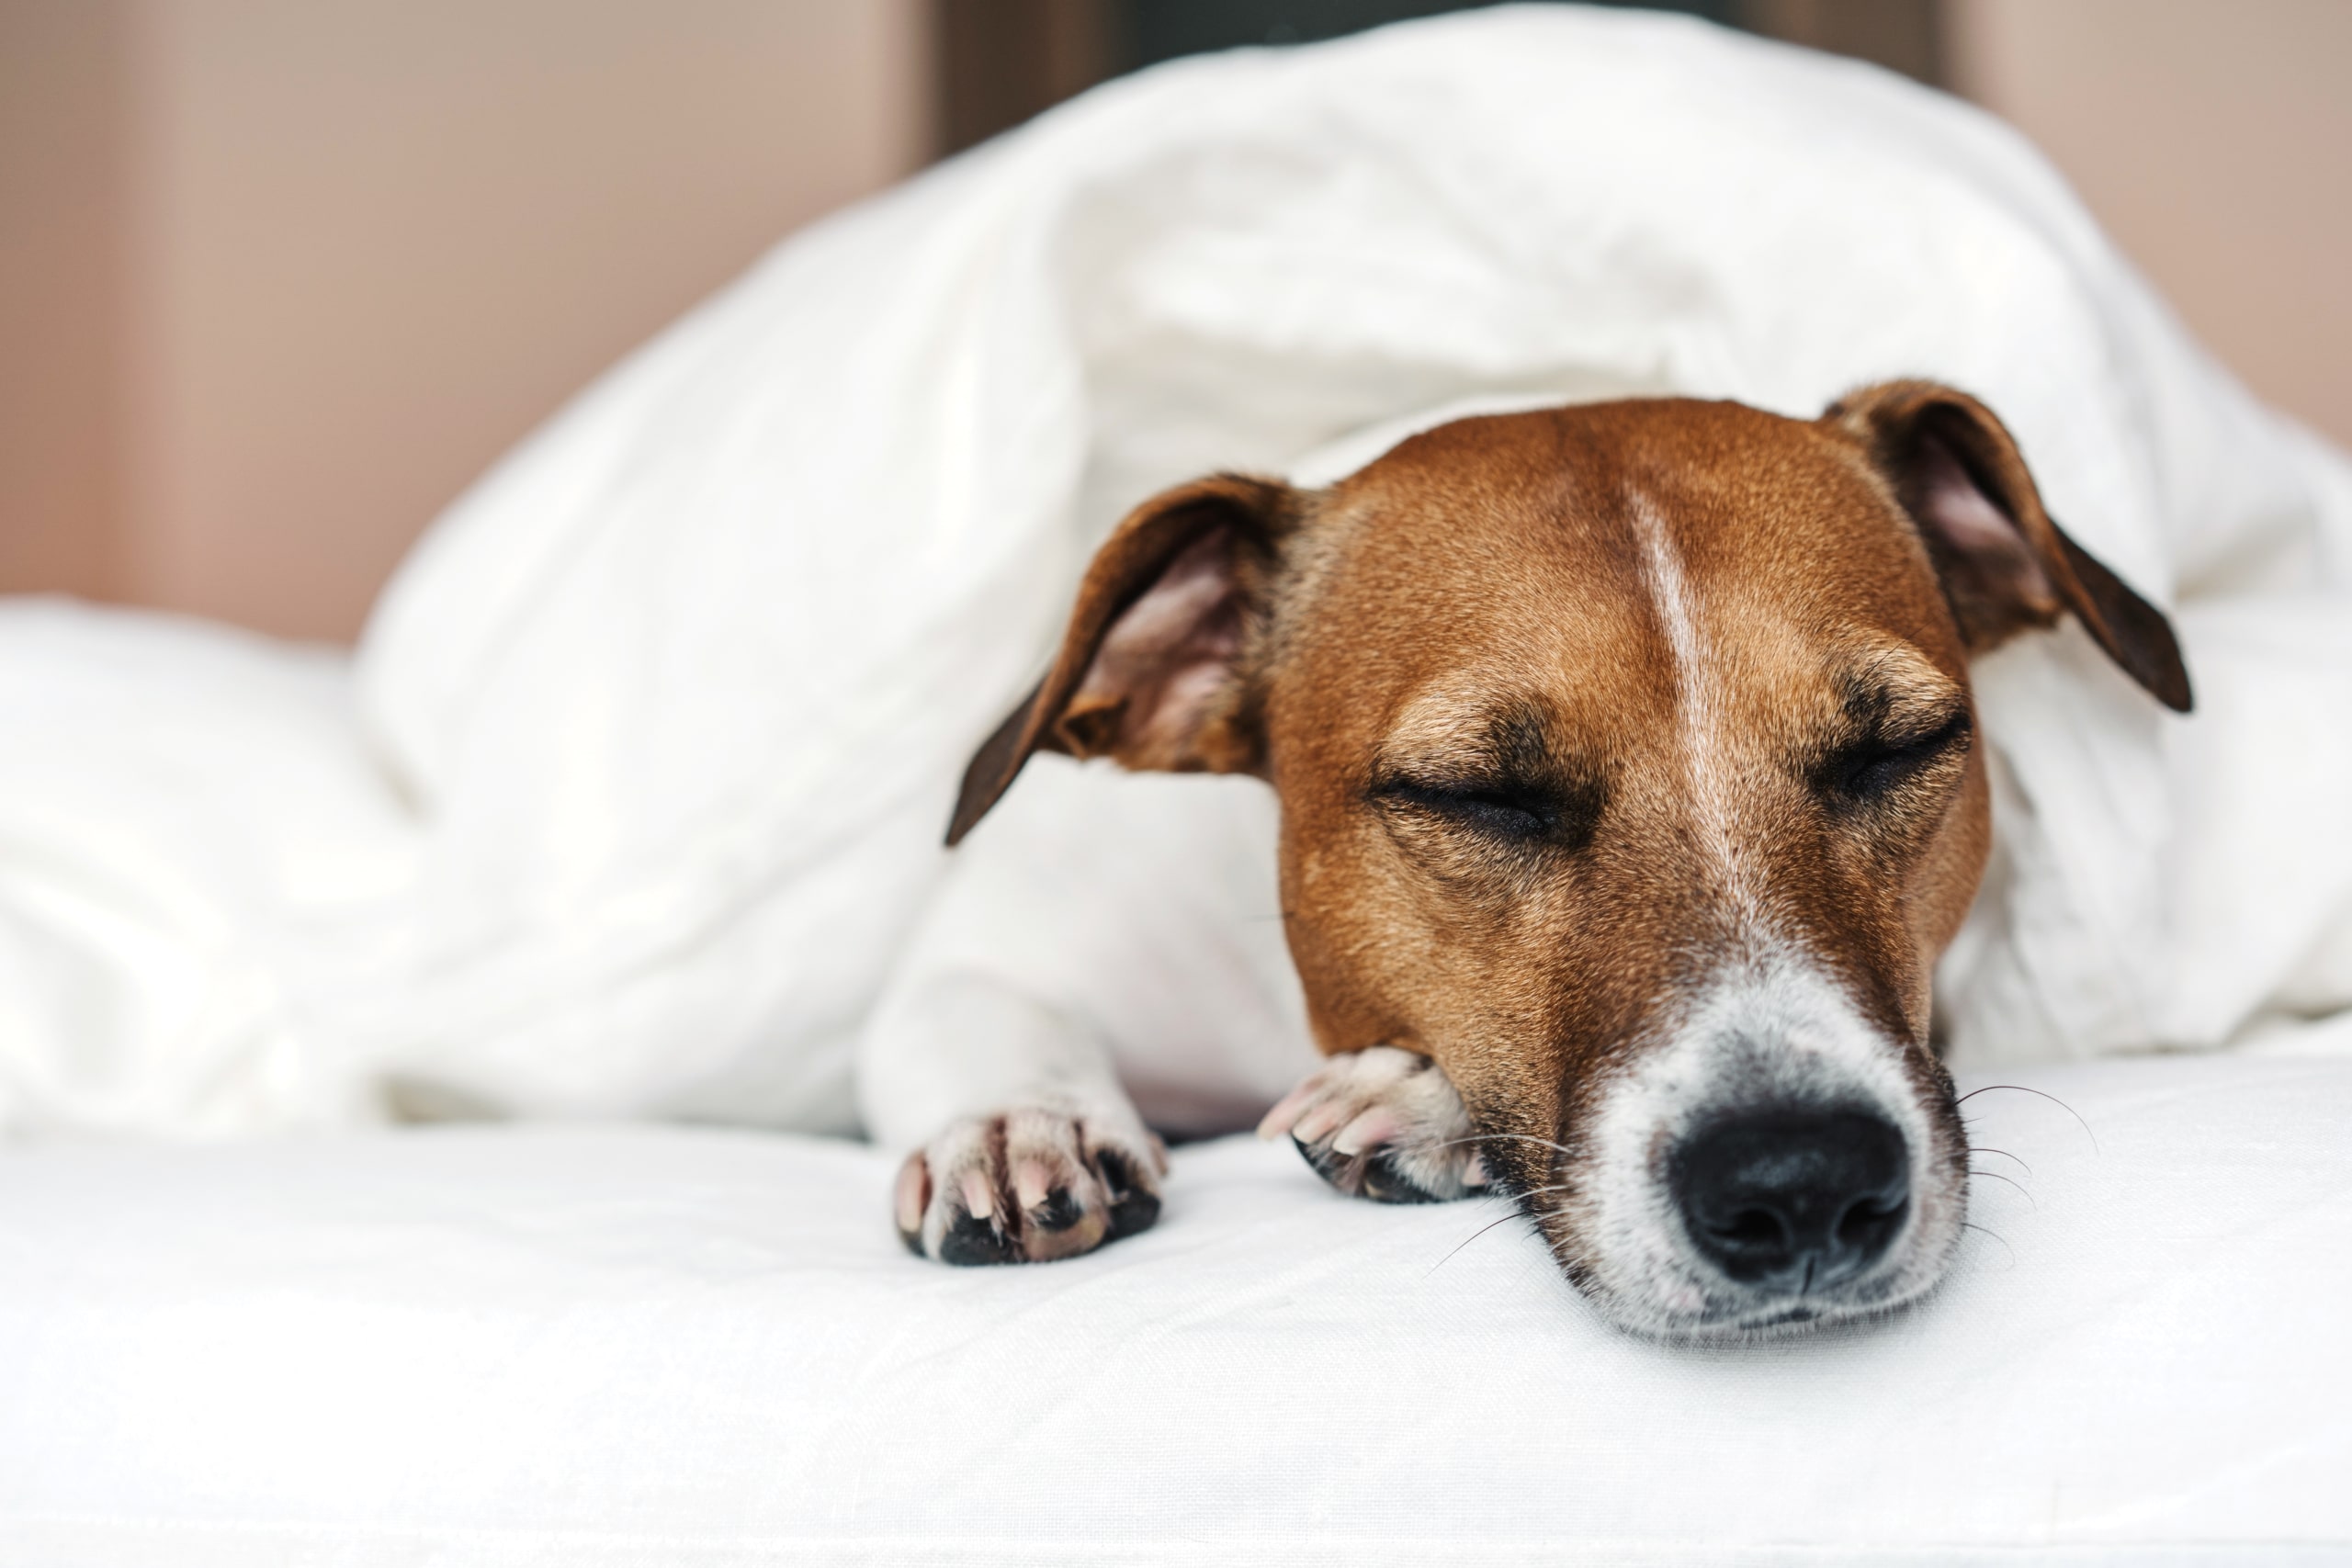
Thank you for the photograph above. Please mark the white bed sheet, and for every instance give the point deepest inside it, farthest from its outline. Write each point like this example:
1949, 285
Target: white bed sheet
594, 1347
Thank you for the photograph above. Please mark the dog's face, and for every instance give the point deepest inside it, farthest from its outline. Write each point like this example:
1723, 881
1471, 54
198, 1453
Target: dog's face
1628, 770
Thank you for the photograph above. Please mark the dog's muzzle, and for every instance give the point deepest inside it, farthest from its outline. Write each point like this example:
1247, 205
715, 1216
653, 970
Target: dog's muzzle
1774, 1162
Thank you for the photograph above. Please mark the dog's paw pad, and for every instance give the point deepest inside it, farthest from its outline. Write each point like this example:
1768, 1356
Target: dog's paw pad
1027, 1186
1385, 1125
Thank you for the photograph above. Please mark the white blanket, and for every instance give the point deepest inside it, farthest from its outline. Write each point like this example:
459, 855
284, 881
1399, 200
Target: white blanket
639, 788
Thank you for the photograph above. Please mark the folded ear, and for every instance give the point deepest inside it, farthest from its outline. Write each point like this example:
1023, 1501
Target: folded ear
1150, 672
2004, 564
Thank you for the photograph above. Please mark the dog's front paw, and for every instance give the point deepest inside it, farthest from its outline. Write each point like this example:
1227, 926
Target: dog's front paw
1029, 1184
1381, 1123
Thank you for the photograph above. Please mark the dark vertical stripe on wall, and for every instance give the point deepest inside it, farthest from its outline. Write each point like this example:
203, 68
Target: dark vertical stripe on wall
1163, 29
1001, 61
1902, 34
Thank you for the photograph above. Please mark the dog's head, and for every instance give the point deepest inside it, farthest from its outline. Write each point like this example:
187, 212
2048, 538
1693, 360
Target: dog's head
1628, 769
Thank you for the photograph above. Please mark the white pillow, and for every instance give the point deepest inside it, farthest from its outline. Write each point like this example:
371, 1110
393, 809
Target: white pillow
195, 855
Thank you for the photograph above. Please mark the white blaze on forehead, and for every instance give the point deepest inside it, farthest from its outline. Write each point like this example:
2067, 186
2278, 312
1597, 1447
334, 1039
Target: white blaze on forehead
1698, 712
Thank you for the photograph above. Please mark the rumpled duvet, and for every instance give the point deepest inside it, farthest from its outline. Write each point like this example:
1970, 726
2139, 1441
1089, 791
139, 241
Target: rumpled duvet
631, 795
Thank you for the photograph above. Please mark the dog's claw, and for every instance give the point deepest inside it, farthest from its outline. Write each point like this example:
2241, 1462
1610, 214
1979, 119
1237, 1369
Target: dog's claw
1385, 1125
1027, 1186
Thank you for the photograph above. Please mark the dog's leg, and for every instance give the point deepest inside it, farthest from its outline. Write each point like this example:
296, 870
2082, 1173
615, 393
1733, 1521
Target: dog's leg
1107, 947
1385, 1125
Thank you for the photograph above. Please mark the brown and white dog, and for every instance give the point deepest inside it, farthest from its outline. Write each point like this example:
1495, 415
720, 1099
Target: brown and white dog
1629, 790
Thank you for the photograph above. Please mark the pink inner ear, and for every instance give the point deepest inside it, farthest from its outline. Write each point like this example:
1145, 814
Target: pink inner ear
1973, 526
1167, 657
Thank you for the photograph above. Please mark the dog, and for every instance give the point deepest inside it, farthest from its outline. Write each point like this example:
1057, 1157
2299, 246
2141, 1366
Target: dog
1629, 790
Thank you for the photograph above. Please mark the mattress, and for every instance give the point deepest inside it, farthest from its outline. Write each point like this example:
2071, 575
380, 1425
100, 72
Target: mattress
594, 1346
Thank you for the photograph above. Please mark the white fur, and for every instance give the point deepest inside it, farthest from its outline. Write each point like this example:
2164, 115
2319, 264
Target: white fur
1101, 934
1698, 730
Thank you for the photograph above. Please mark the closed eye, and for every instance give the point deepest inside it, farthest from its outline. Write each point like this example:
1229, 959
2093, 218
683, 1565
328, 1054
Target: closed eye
1499, 794
1875, 768
1500, 812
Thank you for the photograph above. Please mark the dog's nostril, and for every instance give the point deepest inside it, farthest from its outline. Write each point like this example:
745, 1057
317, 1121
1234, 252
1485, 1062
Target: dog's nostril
1754, 1228
1868, 1223
1794, 1200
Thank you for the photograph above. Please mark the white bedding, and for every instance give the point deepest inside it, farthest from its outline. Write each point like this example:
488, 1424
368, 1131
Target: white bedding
623, 1348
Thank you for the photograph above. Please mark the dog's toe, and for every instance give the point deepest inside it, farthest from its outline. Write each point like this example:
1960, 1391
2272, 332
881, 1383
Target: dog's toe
972, 1239
1134, 1199
1385, 1125
1026, 1186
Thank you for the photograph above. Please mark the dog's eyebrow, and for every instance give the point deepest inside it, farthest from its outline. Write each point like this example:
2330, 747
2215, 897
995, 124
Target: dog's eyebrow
1444, 737
1896, 694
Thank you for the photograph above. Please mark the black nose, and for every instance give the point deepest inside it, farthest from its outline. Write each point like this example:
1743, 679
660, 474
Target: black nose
1794, 1200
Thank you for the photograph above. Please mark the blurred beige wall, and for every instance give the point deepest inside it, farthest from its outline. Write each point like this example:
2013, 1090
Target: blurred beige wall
325, 261
2213, 139
279, 277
